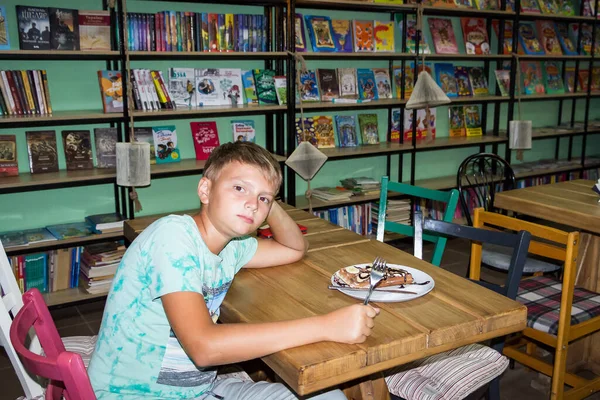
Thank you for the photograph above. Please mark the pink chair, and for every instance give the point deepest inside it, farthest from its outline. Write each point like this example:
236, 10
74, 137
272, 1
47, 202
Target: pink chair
65, 370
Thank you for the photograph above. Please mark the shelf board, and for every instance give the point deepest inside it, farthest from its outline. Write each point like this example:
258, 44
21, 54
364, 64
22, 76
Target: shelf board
61, 55
60, 118
207, 112
324, 105
68, 296
463, 11
61, 244
548, 135
549, 57
439, 183
557, 96
478, 99
51, 180
197, 55
302, 202
462, 141
351, 5
466, 57
389, 55
366, 150
555, 17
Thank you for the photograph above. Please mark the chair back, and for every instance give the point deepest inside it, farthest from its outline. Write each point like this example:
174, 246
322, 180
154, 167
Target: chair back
64, 369
9, 307
478, 179
518, 242
450, 198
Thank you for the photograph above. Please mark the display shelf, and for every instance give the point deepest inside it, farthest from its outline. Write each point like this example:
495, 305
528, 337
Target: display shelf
198, 55
207, 112
58, 55
70, 296
327, 105
65, 243
25, 182
367, 150
529, 16
557, 96
460, 141
73, 117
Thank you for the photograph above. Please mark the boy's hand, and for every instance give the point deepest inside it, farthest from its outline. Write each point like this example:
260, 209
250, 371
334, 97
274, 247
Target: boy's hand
350, 324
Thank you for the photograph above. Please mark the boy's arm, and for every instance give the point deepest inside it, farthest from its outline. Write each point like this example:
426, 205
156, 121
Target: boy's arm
287, 246
209, 344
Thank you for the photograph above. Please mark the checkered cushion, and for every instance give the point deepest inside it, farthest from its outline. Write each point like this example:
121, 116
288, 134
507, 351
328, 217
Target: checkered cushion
541, 295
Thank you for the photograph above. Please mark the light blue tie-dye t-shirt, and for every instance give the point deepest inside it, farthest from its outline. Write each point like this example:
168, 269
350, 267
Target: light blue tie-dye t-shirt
137, 355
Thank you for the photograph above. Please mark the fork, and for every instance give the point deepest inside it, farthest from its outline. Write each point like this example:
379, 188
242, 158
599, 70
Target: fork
377, 274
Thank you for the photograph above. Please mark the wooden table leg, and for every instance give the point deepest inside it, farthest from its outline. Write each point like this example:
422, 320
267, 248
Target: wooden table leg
373, 388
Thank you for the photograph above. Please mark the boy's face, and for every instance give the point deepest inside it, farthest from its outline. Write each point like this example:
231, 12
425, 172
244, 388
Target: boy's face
238, 201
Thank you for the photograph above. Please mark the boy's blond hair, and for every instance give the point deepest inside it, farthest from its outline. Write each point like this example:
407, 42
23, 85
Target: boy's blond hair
245, 153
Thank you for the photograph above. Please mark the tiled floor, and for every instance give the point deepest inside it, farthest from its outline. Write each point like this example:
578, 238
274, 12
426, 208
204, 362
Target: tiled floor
85, 319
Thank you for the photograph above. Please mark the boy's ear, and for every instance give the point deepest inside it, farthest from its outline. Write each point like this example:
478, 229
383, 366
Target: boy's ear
204, 189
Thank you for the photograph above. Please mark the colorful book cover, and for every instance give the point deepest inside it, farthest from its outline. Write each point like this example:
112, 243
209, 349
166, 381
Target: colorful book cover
204, 31
486, 4
346, 130
409, 80
367, 88
309, 90
586, 39
472, 120
281, 89
323, 127
94, 30
369, 129
41, 147
553, 77
64, 29
206, 138
548, 37
144, 135
395, 128
583, 79
68, 231
111, 91
464, 3
529, 42
348, 83
548, 7
384, 36
342, 35
34, 28
508, 32
567, 45
8, 156
462, 81
456, 119
165, 144
420, 123
78, 149
243, 130
249, 88
181, 86
566, 7
328, 83
213, 32
229, 87
444, 75
106, 147
38, 235
531, 76
411, 34
383, 82
228, 33
363, 36
503, 80
264, 80
475, 35
4, 37
13, 239
442, 33
300, 43
207, 87
320, 32
479, 84
306, 134
530, 6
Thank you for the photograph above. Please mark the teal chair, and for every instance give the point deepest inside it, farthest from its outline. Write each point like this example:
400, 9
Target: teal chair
450, 198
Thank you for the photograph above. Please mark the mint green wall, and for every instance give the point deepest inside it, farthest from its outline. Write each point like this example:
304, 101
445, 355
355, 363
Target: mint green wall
74, 85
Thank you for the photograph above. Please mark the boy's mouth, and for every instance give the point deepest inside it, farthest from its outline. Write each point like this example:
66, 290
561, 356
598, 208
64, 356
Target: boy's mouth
248, 220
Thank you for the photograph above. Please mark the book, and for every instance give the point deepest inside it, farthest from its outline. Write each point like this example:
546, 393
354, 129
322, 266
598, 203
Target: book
503, 80
442, 33
229, 86
342, 35
13, 239
281, 89
479, 84
102, 223
8, 156
347, 83
299, 41
444, 75
106, 147
309, 90
383, 34
64, 29
71, 230
463, 82
383, 83
94, 30
531, 77
38, 235
531, 6
369, 129
41, 147
363, 36
472, 120
34, 28
553, 77
206, 138
328, 83
207, 88
111, 91
4, 36
395, 128
264, 81
486, 4
475, 35
243, 130
548, 6
529, 42
411, 34
305, 131
323, 127
566, 44
548, 37
508, 34
456, 121
165, 144
409, 80
181, 86
366, 84
78, 149
320, 32
144, 135
346, 130
249, 88
420, 123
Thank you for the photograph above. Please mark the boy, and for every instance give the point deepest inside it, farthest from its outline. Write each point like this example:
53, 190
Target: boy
158, 338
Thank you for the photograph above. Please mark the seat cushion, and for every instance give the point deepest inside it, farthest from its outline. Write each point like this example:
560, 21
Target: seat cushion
451, 375
542, 295
82, 345
499, 257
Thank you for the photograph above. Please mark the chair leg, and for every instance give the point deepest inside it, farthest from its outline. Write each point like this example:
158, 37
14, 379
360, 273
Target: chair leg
558, 372
493, 392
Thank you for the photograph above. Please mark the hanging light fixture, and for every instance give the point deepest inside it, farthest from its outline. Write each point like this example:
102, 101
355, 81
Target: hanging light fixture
519, 131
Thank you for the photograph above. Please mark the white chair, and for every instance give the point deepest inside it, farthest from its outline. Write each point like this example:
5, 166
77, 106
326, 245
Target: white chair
9, 307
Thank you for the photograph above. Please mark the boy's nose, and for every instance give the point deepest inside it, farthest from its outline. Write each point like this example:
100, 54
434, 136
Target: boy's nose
252, 205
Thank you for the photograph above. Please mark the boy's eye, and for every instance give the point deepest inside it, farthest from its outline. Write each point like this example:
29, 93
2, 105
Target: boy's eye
265, 200
238, 188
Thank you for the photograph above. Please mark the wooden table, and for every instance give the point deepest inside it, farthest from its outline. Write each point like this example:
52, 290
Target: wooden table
455, 313
574, 204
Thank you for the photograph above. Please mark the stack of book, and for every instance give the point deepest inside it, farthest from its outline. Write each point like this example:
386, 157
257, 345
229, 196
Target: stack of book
331, 193
106, 223
362, 186
99, 265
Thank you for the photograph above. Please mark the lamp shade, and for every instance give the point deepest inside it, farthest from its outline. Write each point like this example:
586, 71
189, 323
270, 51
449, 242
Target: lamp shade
519, 135
133, 164
426, 93
306, 160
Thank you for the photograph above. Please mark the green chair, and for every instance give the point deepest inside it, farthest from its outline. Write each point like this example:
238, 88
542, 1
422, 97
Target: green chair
450, 198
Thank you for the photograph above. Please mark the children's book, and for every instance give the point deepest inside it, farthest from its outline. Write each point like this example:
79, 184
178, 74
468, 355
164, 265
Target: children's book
368, 128
472, 120
548, 37
479, 84
206, 138
78, 149
444, 75
462, 81
342, 35
549, 6
531, 77
300, 43
475, 34
348, 83
230, 85
320, 32
586, 37
553, 77
207, 87
64, 29
464, 3
411, 34
8, 156
395, 128
13, 239
34, 28
181, 86
306, 131
383, 82
530, 6
363, 36
366, 84
111, 91
384, 36
456, 121
570, 79
486, 4
281, 89
567, 45
566, 7
328, 83
68, 231
4, 38
38, 235
583, 79
419, 121
346, 130
508, 32
409, 80
323, 126
165, 144
442, 33
264, 80
243, 130
529, 42
213, 32
249, 88
43, 156
106, 143
144, 135
309, 89
503, 81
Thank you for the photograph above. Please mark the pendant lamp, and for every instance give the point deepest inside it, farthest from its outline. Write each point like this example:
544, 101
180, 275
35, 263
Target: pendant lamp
519, 131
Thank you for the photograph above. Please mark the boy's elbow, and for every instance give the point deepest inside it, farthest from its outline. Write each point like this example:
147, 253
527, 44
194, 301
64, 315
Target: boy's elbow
203, 356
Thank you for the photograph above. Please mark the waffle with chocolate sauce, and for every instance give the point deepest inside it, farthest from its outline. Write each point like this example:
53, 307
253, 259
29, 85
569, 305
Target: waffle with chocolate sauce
358, 277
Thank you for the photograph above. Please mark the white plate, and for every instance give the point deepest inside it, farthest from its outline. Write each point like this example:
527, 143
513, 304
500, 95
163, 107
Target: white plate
383, 297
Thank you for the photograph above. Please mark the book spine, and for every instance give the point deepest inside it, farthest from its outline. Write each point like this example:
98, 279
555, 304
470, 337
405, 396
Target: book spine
165, 89
173, 22
22, 273
142, 89
35, 91
136, 92
5, 99
152, 31
13, 91
2, 105
157, 86
21, 85
191, 18
9, 94
28, 93
151, 89
39, 93
46, 90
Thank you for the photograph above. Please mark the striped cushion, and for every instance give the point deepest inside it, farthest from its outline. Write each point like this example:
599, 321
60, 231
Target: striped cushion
451, 375
82, 345
232, 371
